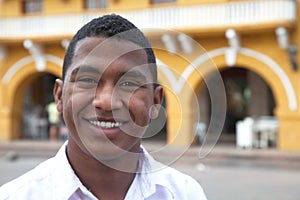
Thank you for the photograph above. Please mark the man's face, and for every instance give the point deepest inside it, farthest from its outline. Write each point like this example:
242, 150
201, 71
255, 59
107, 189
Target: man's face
108, 97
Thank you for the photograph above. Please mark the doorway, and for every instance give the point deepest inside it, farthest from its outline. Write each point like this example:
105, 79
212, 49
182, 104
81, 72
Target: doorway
34, 118
247, 95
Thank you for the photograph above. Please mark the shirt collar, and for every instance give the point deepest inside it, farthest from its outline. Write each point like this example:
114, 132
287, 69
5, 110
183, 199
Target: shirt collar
148, 176
142, 186
63, 169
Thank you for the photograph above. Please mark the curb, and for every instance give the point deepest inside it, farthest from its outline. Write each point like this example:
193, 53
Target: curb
49, 149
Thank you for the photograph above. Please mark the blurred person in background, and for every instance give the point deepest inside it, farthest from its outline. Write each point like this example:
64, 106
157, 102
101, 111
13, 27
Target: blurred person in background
53, 118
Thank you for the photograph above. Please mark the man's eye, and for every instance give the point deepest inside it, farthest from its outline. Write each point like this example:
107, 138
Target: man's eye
87, 80
129, 84
86, 83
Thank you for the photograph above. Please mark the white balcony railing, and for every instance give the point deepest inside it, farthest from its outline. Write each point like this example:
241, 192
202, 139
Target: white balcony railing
196, 16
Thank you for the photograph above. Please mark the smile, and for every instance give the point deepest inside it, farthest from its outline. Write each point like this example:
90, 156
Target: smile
103, 124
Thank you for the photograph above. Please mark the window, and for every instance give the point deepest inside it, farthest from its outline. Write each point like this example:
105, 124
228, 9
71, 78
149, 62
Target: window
94, 4
32, 6
162, 1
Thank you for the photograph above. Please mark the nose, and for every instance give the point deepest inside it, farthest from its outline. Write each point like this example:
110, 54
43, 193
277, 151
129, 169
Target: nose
106, 98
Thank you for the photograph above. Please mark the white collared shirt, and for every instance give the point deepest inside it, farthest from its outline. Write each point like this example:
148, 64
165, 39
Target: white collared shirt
55, 179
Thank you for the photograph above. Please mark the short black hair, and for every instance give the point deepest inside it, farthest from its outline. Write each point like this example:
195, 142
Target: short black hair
108, 26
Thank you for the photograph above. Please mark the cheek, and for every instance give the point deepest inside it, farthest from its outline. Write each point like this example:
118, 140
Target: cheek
72, 105
77, 99
139, 107
68, 111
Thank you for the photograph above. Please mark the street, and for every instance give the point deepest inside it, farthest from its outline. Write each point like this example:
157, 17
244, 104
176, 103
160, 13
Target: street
222, 176
242, 179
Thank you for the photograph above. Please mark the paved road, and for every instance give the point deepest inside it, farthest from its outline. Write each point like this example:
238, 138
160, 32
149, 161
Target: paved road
222, 177
244, 179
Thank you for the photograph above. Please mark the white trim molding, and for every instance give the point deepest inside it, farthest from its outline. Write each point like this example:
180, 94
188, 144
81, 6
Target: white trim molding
37, 52
212, 15
25, 61
177, 84
234, 45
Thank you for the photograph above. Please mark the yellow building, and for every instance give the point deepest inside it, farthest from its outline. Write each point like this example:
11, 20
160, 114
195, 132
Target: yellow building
219, 61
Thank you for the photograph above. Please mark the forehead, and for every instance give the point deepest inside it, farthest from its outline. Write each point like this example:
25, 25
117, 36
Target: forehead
108, 47
102, 52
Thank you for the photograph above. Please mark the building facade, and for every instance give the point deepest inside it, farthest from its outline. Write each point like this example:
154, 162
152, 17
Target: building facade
219, 61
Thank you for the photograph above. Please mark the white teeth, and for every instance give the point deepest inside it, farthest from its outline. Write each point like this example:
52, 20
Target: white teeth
103, 124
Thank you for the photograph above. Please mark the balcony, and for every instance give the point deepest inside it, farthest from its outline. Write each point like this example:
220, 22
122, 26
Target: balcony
199, 18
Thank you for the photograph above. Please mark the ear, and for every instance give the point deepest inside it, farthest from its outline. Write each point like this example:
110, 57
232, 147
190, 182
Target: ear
157, 100
57, 92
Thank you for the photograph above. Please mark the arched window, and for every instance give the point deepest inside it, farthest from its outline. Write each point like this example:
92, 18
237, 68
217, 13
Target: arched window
162, 1
32, 6
95, 4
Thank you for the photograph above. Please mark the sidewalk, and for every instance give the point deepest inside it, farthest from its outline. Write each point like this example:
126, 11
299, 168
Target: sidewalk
225, 173
39, 148
49, 148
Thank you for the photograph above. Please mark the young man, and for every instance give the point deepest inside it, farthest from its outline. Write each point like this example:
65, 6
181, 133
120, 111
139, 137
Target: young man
108, 96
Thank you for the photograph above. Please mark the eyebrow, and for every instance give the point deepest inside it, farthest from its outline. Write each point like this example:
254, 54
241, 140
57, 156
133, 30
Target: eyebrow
134, 74
83, 69
90, 69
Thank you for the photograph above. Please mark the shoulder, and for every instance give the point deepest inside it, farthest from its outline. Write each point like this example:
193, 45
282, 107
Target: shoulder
181, 184
37, 179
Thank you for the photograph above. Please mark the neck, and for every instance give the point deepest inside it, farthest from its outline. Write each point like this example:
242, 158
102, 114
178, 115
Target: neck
104, 178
